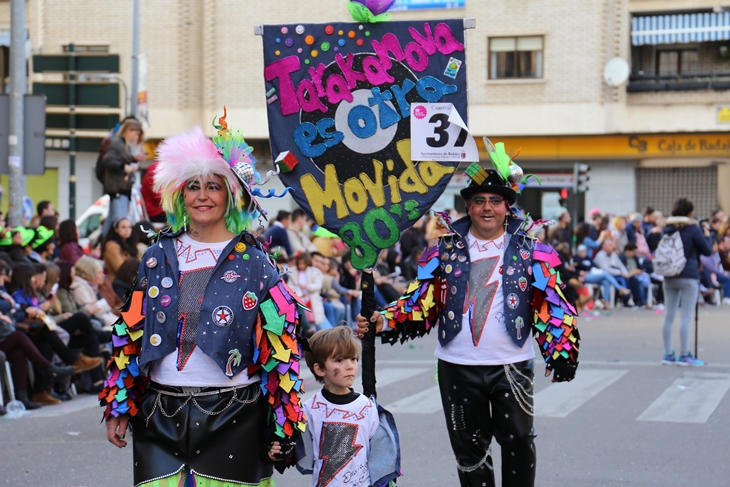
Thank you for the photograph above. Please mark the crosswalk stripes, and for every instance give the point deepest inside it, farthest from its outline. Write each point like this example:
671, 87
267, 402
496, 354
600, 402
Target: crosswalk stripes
559, 400
427, 401
690, 399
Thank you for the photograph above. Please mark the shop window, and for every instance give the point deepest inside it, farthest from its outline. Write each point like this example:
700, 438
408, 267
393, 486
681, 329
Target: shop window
515, 57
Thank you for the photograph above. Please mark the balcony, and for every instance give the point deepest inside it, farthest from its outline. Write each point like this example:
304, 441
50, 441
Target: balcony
679, 82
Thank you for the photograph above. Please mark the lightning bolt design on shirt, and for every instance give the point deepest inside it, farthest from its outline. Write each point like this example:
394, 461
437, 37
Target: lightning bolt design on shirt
337, 447
480, 293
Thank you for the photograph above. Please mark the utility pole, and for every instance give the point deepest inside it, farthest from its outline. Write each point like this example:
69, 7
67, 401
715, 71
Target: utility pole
17, 91
135, 60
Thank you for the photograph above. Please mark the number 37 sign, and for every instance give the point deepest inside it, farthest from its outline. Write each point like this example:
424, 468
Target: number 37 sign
438, 133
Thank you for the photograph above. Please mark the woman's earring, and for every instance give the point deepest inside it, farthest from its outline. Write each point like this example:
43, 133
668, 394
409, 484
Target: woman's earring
185, 223
505, 223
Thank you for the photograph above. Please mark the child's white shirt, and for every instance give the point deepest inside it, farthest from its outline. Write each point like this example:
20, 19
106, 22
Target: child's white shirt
341, 435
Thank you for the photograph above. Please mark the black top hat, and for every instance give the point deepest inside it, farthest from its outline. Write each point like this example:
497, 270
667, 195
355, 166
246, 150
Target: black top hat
492, 184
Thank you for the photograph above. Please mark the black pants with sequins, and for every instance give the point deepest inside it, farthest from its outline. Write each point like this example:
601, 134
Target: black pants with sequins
479, 404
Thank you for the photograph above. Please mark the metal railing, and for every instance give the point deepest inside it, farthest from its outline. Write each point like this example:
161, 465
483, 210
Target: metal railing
679, 82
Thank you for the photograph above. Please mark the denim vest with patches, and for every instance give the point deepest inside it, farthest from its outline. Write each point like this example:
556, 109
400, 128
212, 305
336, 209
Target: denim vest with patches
240, 281
516, 280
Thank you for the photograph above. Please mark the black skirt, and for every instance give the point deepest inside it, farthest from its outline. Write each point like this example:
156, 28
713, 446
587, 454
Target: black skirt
219, 435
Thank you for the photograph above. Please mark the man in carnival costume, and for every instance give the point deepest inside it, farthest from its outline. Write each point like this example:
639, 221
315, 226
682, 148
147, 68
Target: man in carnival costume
206, 357
483, 284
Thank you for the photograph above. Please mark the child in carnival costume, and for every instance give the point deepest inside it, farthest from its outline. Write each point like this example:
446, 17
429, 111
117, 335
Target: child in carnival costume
350, 440
206, 358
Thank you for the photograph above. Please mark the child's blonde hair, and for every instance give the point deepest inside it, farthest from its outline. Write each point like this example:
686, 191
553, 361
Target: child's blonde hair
336, 343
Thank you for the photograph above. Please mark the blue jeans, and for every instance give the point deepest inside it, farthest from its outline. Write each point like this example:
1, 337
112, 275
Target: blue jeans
334, 314
640, 288
118, 207
605, 279
679, 291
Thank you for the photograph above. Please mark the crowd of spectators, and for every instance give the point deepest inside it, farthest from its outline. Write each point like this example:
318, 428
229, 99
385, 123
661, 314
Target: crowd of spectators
615, 252
57, 304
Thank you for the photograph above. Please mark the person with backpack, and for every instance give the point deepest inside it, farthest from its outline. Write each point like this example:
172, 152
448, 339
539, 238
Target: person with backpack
677, 259
121, 162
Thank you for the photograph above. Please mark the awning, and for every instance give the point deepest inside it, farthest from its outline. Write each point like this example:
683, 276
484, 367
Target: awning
670, 29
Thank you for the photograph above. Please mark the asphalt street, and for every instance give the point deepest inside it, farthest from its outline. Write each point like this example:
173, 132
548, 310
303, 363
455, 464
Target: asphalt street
625, 421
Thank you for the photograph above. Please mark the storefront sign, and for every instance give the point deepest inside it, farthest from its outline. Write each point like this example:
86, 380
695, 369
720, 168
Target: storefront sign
617, 146
339, 101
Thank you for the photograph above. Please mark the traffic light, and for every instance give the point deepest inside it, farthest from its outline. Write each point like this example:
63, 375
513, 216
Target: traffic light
580, 177
563, 198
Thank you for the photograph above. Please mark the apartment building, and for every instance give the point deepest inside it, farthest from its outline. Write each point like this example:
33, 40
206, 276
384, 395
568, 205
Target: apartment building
535, 76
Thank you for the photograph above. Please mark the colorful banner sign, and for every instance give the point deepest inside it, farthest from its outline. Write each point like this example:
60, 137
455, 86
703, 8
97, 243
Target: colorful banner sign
339, 98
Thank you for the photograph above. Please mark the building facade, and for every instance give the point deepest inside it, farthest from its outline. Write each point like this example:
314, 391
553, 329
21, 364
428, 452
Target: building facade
535, 75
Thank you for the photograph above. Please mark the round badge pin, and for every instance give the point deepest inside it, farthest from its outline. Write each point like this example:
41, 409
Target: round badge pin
155, 340
223, 316
167, 282
161, 317
448, 269
153, 292
240, 247
165, 301
151, 263
143, 282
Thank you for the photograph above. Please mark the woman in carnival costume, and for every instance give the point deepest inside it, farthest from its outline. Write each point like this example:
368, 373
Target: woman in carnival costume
206, 357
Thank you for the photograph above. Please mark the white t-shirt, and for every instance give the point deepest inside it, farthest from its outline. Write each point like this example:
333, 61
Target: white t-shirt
484, 339
200, 370
341, 435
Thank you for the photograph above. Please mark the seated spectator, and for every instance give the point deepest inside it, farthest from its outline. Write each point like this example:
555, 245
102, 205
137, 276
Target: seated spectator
326, 242
68, 239
42, 246
387, 274
331, 292
19, 349
67, 300
594, 275
583, 237
25, 283
723, 248
639, 269
410, 263
571, 276
306, 281
649, 220
6, 300
413, 238
142, 235
297, 233
713, 275
19, 246
118, 246
561, 232
619, 233
276, 237
654, 236
608, 260
85, 285
125, 278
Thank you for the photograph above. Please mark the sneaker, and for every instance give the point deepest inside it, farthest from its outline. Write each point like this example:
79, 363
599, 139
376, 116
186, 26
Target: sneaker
669, 359
726, 301
689, 361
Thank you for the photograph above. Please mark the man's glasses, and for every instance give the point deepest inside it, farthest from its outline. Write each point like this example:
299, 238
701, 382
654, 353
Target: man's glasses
494, 201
